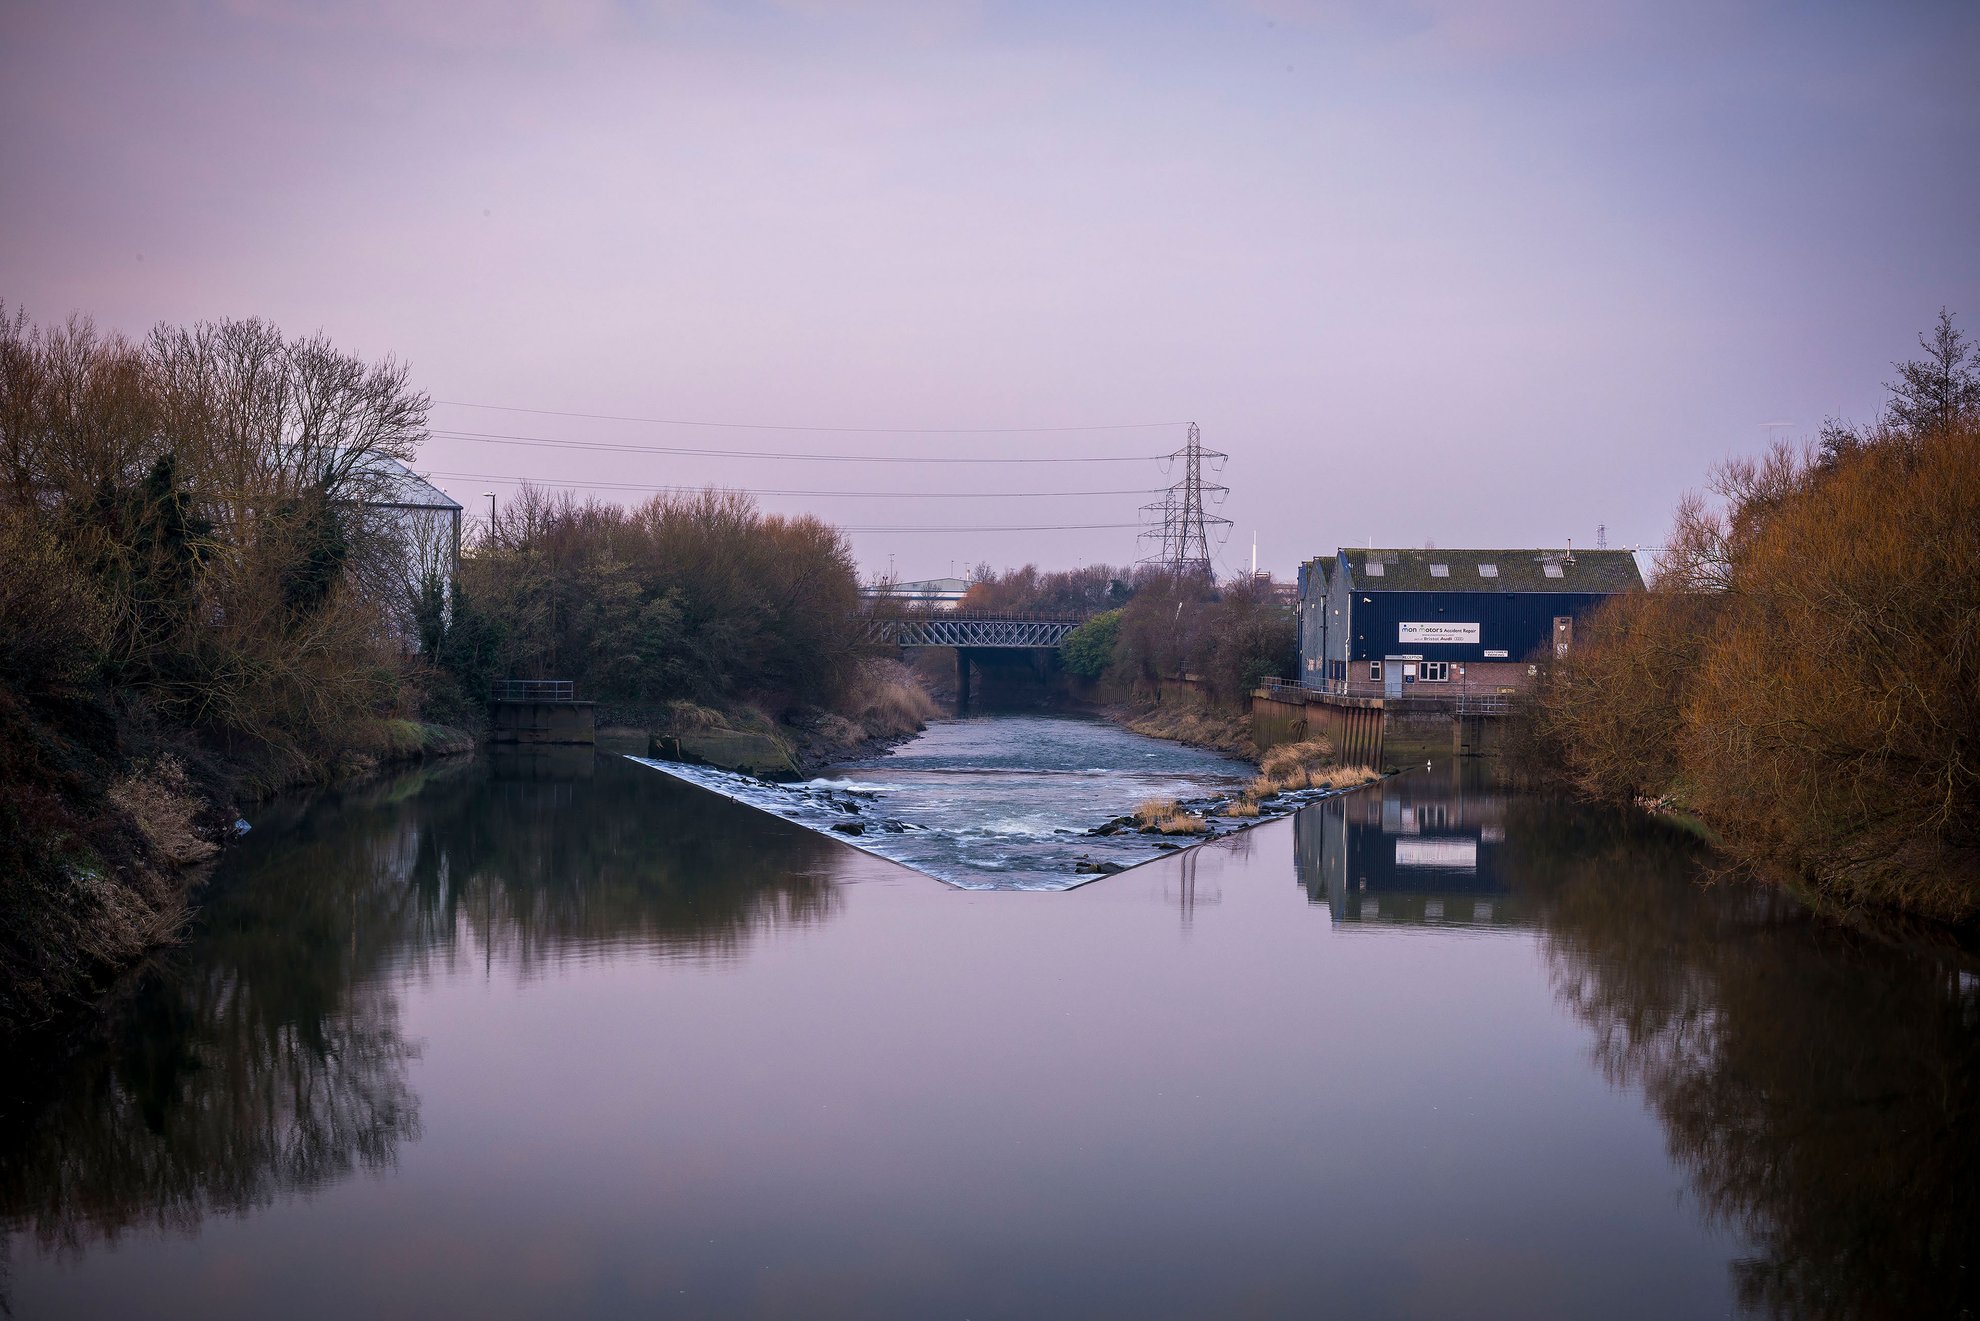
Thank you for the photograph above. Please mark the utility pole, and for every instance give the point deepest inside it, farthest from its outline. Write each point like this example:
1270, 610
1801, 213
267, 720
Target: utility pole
1182, 530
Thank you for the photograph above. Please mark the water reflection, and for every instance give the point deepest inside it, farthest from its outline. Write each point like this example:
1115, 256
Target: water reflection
937, 1086
1817, 1083
1415, 849
265, 1056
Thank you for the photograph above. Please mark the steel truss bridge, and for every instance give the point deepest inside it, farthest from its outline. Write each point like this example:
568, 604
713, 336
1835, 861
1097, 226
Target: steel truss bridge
970, 629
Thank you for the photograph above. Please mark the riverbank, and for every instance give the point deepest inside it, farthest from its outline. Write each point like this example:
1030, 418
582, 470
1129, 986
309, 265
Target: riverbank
112, 825
1196, 724
885, 705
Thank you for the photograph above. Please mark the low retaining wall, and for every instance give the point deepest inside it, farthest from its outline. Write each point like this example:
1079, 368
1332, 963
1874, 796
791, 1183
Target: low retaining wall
1365, 730
1186, 690
1356, 726
542, 722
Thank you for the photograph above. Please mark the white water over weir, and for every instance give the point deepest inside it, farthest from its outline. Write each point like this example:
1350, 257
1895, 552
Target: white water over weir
1000, 802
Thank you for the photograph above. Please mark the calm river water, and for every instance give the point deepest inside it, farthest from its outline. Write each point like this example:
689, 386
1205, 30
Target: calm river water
566, 1037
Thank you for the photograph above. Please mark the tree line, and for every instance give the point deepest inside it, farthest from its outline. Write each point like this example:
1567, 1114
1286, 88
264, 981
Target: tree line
695, 597
1804, 673
1149, 625
210, 589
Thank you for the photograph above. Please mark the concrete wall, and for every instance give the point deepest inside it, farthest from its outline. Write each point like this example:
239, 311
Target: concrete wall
1187, 690
1357, 729
1418, 736
1274, 722
542, 722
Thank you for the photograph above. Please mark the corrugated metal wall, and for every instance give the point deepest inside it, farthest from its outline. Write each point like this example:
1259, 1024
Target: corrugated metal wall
1516, 623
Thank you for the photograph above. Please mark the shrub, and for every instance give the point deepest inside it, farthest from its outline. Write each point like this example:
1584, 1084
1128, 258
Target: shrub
696, 597
52, 625
1805, 672
1608, 715
1231, 638
1834, 724
887, 700
161, 803
1088, 650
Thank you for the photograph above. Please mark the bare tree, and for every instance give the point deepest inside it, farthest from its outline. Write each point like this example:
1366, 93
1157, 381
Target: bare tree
1937, 391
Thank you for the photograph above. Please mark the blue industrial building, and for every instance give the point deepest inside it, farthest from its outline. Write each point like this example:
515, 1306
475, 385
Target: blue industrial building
1376, 623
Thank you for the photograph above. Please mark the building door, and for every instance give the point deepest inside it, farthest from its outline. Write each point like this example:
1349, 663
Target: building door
1392, 677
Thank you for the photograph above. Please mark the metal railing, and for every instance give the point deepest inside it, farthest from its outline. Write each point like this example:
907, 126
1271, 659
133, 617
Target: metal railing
533, 690
915, 610
1459, 703
1463, 703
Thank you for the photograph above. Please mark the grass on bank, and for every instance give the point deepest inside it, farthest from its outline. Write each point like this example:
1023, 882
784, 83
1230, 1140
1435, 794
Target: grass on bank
1167, 817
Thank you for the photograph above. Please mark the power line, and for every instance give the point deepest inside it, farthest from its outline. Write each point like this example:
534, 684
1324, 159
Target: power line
753, 490
849, 431
988, 527
620, 447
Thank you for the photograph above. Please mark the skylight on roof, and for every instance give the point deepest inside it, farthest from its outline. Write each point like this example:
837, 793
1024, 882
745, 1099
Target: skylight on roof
1551, 569
1440, 571
1374, 568
1488, 571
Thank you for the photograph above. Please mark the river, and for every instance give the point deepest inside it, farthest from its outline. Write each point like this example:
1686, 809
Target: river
995, 803
566, 1036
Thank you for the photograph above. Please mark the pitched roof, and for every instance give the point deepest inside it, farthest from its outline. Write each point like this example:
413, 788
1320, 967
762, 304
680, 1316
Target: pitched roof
1315, 573
1529, 570
399, 487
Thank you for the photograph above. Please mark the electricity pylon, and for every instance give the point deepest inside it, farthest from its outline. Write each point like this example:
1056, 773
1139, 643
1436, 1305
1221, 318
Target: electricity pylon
1178, 522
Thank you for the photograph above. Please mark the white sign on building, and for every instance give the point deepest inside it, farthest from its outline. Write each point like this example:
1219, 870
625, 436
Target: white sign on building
1456, 854
1437, 632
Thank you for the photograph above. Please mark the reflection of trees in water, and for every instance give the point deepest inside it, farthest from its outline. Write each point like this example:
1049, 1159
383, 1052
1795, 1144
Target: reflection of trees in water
625, 859
264, 1057
204, 1096
1818, 1085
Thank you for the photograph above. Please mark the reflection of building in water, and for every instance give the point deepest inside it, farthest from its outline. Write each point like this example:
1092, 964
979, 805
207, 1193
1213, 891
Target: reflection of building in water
1418, 849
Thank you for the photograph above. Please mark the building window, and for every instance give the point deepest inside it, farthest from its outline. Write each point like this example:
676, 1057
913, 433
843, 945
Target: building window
1551, 569
1433, 671
1440, 571
1375, 670
1374, 568
1488, 571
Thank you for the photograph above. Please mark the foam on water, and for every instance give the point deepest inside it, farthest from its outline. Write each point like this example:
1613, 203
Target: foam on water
991, 802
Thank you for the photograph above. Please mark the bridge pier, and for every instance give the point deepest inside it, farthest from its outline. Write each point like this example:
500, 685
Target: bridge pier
962, 680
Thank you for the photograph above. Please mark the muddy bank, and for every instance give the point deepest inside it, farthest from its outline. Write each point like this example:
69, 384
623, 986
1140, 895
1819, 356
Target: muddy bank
109, 825
886, 706
1199, 726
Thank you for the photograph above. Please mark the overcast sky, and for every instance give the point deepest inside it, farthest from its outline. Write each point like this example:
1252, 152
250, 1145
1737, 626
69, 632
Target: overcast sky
1425, 273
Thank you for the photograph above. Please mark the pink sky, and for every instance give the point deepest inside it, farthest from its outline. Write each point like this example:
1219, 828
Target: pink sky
1424, 274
